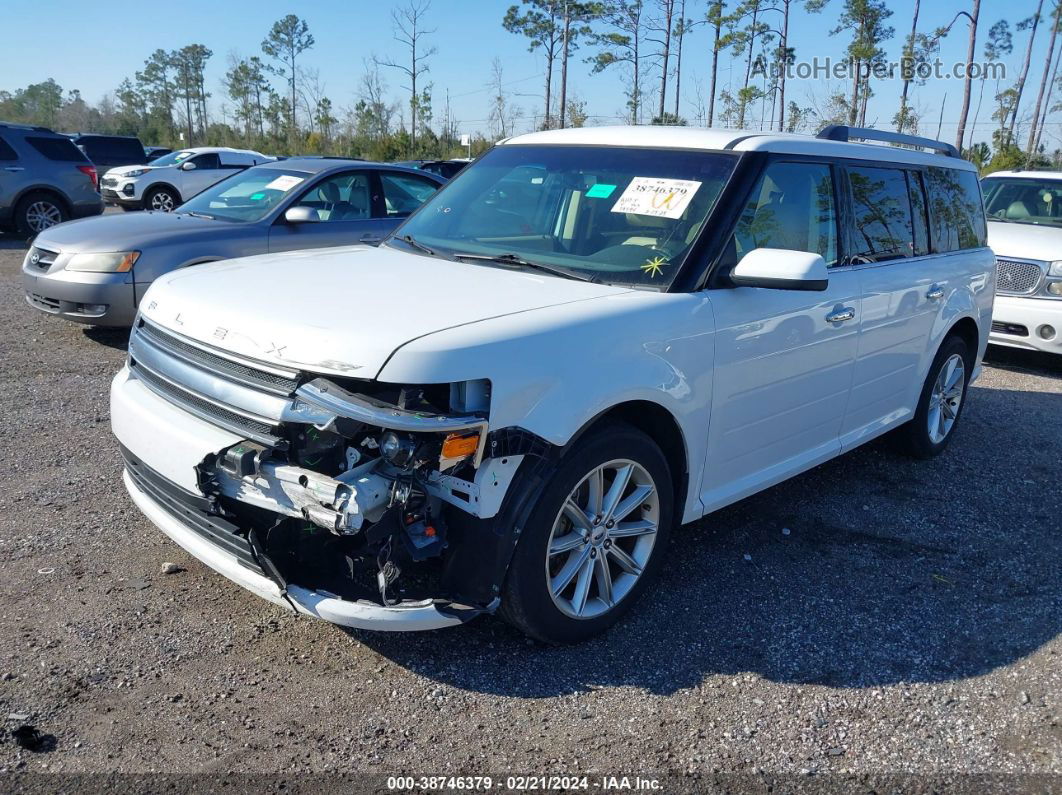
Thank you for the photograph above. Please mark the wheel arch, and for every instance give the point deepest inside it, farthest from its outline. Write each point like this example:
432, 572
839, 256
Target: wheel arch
660, 425
167, 185
51, 190
967, 330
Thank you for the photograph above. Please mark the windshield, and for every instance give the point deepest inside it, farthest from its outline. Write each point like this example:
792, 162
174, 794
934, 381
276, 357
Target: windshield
612, 214
246, 196
1023, 200
172, 159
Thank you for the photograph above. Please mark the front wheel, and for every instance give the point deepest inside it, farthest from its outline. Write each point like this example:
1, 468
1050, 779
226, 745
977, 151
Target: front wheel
941, 402
594, 540
162, 199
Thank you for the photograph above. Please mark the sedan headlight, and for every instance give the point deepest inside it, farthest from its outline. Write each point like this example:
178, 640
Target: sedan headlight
107, 262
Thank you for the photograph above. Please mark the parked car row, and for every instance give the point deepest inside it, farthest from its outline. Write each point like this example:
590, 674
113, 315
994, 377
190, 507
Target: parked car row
589, 337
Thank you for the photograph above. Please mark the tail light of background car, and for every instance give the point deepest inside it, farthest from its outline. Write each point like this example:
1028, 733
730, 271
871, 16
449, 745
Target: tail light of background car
90, 172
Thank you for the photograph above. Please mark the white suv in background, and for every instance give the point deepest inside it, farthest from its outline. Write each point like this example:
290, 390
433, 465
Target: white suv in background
173, 179
1024, 211
587, 337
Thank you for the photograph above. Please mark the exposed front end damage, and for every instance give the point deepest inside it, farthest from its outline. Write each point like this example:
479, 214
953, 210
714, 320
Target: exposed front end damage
366, 504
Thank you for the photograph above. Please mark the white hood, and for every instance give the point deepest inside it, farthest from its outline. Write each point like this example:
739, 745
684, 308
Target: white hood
1025, 241
343, 311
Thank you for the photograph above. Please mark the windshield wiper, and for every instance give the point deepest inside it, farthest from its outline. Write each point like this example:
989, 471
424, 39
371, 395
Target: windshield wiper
198, 215
417, 244
520, 262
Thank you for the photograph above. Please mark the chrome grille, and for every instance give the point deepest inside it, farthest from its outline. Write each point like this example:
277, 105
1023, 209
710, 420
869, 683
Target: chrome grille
203, 408
220, 365
41, 258
1017, 277
237, 395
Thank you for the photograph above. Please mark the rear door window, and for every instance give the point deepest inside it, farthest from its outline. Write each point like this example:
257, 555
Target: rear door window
956, 209
882, 217
404, 193
6, 152
62, 149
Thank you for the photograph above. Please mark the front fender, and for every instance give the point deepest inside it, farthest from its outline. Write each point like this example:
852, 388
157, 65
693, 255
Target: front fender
554, 370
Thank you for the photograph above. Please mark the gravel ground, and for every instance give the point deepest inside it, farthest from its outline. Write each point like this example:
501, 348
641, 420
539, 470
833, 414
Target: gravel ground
873, 616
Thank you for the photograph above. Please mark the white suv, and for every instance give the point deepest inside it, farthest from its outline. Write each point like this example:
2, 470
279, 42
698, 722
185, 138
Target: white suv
1025, 230
587, 337
173, 179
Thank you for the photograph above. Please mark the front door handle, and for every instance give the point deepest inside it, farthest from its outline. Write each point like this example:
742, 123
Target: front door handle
841, 315
14, 168
936, 292
370, 238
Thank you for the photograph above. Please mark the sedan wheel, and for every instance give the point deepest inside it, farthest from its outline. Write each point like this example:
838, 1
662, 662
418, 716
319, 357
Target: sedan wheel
602, 539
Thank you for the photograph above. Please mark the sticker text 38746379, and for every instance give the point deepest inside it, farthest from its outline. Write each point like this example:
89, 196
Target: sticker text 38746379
664, 198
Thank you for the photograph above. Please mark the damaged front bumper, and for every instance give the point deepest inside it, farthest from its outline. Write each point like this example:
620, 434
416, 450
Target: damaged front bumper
408, 616
217, 458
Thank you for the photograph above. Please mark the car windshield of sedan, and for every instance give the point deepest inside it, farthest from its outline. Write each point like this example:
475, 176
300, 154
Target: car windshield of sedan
172, 159
1023, 200
247, 196
620, 215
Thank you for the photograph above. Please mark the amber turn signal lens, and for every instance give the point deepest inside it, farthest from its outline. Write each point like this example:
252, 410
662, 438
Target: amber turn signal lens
460, 445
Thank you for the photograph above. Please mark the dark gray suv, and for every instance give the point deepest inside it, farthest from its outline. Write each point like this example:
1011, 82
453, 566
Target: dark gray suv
44, 180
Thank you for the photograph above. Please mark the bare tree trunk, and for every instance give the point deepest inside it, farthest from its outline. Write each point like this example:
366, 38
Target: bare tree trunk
1043, 81
564, 64
853, 108
669, 13
1047, 100
907, 80
748, 68
715, 62
681, 31
1020, 87
784, 50
971, 52
549, 81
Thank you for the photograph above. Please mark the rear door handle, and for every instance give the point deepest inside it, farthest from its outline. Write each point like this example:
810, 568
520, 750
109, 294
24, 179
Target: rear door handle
14, 168
936, 292
841, 315
371, 238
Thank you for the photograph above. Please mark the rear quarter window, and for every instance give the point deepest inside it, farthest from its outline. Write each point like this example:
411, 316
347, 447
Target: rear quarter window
955, 209
6, 152
62, 149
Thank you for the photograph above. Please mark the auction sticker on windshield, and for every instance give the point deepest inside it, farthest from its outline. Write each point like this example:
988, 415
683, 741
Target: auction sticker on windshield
285, 182
664, 198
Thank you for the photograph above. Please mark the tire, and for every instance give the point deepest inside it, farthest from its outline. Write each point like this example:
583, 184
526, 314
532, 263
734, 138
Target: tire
38, 211
939, 410
161, 198
560, 598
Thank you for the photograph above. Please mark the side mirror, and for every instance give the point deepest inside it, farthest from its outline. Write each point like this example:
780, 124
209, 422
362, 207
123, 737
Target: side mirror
302, 215
781, 269
188, 166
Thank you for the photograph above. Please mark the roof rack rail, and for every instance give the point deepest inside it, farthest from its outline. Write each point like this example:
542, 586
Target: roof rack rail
841, 132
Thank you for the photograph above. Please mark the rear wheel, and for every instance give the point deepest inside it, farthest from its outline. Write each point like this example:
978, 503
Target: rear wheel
594, 540
38, 211
163, 199
941, 402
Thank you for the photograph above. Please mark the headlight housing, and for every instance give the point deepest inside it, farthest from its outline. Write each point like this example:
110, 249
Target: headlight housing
105, 262
138, 172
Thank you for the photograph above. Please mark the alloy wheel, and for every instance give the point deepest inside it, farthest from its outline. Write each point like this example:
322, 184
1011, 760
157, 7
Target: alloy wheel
42, 214
602, 539
162, 200
946, 398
